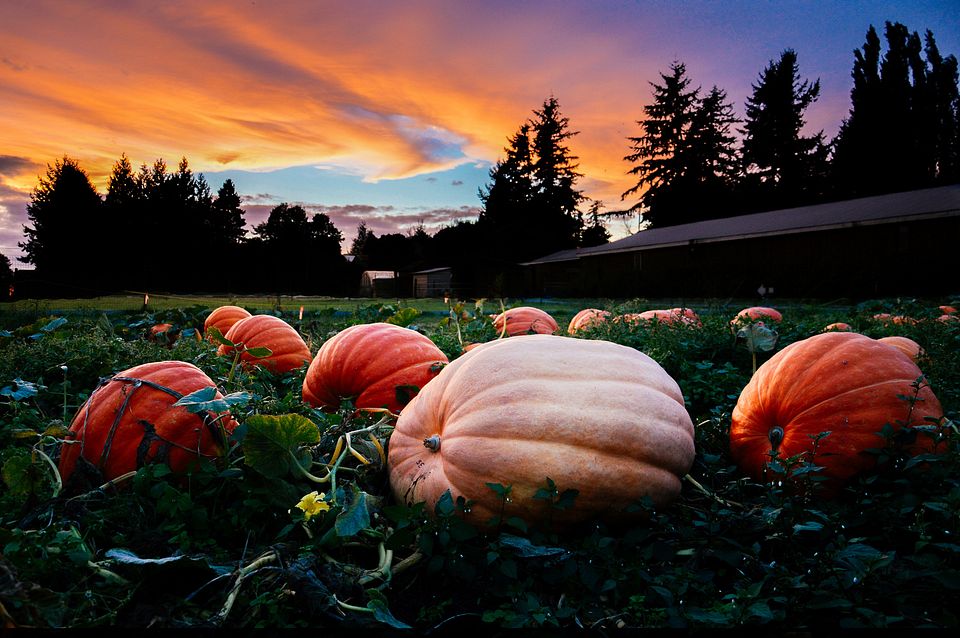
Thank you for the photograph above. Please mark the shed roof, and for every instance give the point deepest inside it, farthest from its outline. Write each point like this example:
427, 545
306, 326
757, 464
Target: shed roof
879, 209
429, 271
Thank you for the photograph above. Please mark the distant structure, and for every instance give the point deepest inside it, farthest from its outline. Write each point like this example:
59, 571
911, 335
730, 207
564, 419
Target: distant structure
901, 243
378, 283
433, 282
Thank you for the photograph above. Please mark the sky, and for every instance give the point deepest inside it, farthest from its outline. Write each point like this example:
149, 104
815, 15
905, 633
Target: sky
391, 113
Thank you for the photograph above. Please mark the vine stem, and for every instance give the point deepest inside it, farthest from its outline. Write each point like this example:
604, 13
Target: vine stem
53, 468
242, 574
707, 492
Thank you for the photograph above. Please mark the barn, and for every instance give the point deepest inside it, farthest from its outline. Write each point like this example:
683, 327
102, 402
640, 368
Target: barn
433, 282
896, 244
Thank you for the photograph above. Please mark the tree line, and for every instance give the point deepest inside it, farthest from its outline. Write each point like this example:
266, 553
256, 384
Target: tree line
163, 229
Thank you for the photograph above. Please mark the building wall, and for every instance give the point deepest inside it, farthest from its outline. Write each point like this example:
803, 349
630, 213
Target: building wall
915, 258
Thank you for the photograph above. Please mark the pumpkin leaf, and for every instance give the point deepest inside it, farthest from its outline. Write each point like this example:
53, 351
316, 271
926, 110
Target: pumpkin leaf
218, 337
204, 400
272, 443
22, 476
378, 605
354, 518
23, 390
525, 549
403, 317
259, 352
757, 337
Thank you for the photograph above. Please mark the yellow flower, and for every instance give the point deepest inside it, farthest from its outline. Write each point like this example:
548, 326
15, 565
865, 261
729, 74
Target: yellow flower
312, 504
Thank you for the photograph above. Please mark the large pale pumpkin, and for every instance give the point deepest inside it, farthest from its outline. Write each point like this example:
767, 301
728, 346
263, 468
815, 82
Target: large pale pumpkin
842, 382
591, 415
905, 345
587, 318
129, 420
376, 364
525, 320
289, 350
223, 318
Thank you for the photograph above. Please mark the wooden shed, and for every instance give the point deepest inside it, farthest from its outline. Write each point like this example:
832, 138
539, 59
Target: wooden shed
433, 282
900, 243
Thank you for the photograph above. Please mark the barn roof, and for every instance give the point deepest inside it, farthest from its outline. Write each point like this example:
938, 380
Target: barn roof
879, 209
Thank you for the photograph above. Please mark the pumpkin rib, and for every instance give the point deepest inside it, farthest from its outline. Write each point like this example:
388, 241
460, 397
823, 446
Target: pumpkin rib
852, 391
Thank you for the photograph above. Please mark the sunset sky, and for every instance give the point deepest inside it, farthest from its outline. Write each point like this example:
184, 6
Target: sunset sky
391, 112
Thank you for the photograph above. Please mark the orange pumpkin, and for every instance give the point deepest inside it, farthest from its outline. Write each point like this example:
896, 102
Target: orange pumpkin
905, 345
842, 382
586, 318
289, 351
838, 327
129, 421
525, 320
161, 333
591, 415
376, 364
948, 310
755, 313
223, 318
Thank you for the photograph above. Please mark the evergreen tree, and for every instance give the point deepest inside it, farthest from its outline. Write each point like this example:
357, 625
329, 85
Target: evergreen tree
901, 131
530, 204
783, 168
6, 277
594, 233
227, 217
685, 159
358, 246
64, 242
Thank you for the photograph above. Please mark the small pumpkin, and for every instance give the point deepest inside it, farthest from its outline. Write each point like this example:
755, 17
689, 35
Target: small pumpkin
524, 320
162, 333
223, 318
289, 350
376, 364
948, 310
591, 415
905, 345
838, 327
842, 382
755, 313
587, 318
129, 421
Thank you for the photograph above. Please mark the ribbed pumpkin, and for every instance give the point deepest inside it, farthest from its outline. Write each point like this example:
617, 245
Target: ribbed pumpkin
525, 320
673, 316
587, 318
842, 382
755, 313
376, 364
129, 421
905, 345
837, 327
591, 415
223, 318
266, 331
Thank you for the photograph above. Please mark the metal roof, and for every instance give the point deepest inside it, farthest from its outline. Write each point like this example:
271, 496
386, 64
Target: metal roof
431, 270
879, 209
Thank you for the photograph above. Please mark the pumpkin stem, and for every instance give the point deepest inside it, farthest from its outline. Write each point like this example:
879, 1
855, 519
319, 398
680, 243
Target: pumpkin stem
432, 443
776, 436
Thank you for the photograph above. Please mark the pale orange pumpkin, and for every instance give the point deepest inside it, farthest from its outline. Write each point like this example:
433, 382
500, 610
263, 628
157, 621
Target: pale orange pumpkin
905, 345
289, 350
838, 327
839, 382
590, 415
378, 365
223, 318
755, 313
525, 320
587, 318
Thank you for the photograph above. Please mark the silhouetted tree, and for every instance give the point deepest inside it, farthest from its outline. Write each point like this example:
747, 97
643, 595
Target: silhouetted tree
594, 233
530, 204
6, 277
782, 167
64, 242
226, 217
901, 132
358, 246
685, 159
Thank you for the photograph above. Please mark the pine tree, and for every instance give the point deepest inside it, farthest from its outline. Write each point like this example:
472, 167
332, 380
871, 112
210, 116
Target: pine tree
227, 217
782, 166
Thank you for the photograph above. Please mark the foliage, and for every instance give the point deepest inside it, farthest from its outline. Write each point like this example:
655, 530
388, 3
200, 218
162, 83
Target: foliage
296, 526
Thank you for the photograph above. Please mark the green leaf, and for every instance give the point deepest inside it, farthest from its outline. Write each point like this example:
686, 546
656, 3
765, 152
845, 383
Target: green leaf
24, 390
525, 549
403, 317
757, 337
54, 324
218, 337
273, 441
259, 353
378, 605
22, 476
204, 400
354, 517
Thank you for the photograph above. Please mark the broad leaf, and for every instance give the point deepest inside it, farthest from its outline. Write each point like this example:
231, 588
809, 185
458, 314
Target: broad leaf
23, 390
354, 516
204, 400
757, 337
218, 337
259, 353
272, 443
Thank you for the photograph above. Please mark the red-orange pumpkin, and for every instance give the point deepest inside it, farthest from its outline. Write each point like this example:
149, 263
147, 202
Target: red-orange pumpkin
161, 332
266, 331
591, 415
223, 318
587, 318
525, 320
905, 345
129, 421
842, 382
376, 364
755, 313
948, 310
